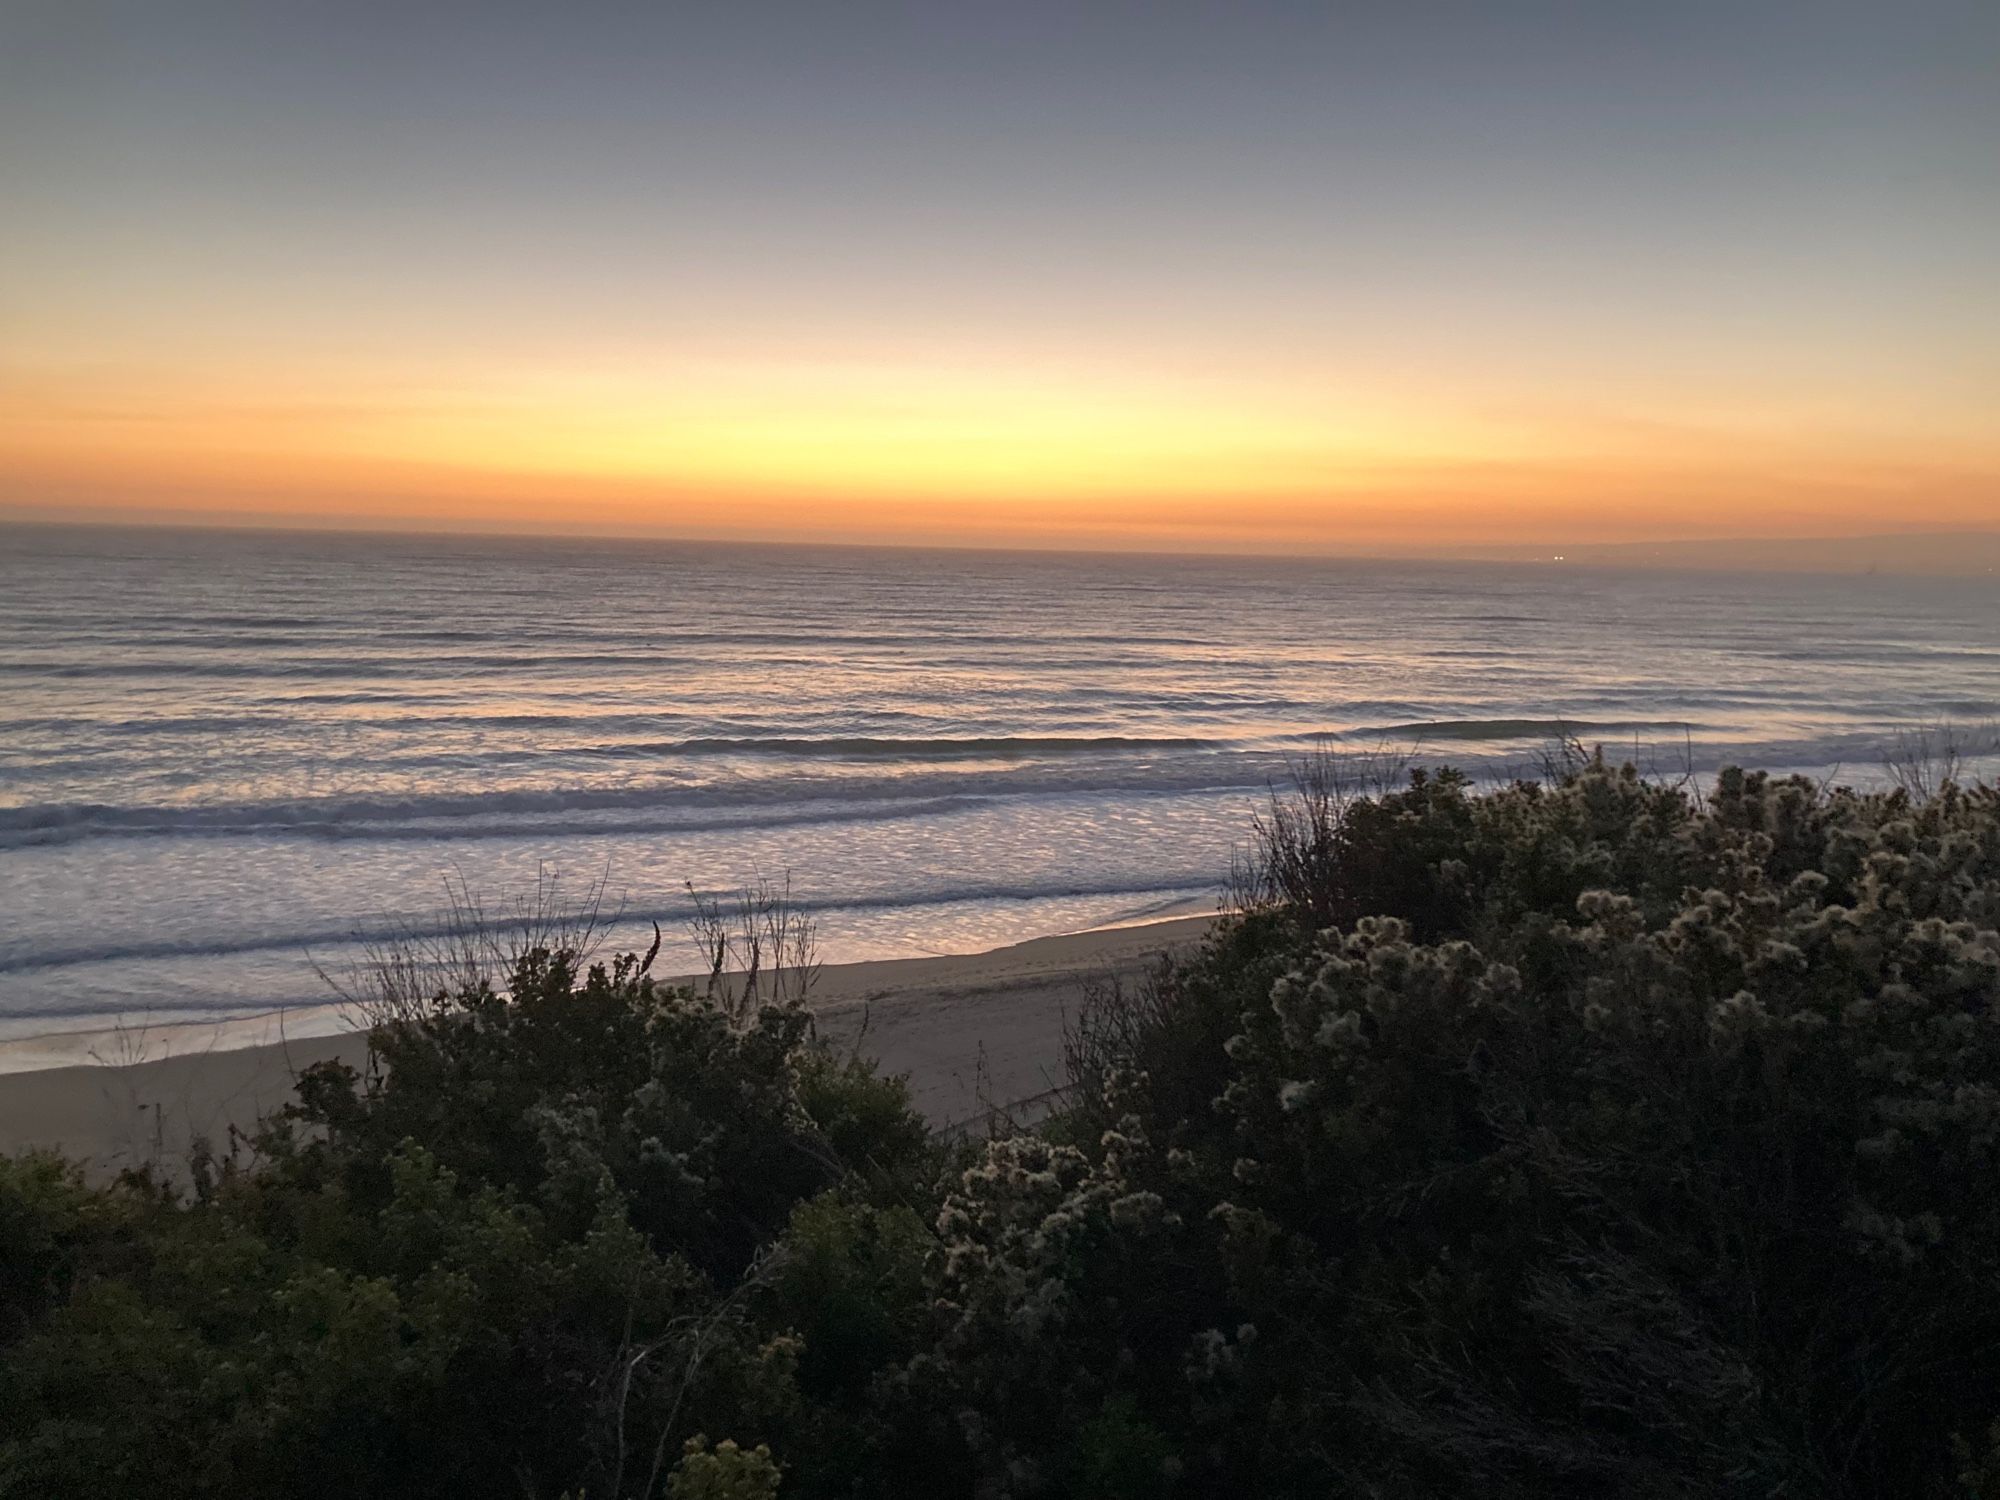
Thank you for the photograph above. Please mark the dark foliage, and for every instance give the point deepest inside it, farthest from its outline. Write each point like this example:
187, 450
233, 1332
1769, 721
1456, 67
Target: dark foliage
1643, 1149
534, 1253
1581, 1138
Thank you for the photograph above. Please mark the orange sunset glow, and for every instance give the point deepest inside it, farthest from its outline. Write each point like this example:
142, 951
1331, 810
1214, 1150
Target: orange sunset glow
1266, 319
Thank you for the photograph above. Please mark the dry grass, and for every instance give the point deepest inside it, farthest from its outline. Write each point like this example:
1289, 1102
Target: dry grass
1297, 851
467, 947
1928, 757
759, 946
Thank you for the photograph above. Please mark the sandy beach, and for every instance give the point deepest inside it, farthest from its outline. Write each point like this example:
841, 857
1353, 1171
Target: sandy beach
967, 1029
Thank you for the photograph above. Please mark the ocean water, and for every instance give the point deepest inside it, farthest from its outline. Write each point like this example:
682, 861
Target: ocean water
228, 758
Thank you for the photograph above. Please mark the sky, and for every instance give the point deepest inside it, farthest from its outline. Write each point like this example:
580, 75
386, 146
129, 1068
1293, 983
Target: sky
1260, 277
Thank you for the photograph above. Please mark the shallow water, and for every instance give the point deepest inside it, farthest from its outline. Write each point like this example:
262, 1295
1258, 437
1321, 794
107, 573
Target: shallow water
225, 757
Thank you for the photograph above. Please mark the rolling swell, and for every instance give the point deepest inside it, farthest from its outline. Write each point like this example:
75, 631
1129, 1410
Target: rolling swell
666, 914
933, 785
1429, 730
863, 747
649, 808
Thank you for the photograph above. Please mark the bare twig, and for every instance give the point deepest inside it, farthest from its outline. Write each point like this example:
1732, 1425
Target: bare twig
1927, 757
760, 946
465, 948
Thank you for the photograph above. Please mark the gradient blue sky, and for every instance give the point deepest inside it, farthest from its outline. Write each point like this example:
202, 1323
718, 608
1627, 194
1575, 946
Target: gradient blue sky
1205, 275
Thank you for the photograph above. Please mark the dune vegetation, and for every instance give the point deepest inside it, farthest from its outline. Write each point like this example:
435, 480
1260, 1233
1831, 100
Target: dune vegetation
1587, 1136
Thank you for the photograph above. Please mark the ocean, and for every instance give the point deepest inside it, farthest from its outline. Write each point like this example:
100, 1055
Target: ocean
230, 760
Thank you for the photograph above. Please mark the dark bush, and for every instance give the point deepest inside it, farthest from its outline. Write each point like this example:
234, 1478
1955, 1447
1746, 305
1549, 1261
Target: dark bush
524, 1256
1661, 1168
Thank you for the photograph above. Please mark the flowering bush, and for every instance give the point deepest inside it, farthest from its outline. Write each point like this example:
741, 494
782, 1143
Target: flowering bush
1663, 1166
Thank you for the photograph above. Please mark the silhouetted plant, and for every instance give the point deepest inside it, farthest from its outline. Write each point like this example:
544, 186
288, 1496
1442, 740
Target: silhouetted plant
756, 946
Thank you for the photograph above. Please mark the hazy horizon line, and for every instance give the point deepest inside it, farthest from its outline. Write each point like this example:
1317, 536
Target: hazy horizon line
1681, 554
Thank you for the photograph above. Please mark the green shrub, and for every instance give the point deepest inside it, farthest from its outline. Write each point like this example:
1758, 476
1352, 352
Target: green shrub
725, 1472
525, 1257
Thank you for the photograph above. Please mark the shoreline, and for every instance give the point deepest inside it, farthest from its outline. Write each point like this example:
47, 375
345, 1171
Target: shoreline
129, 1039
966, 1029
